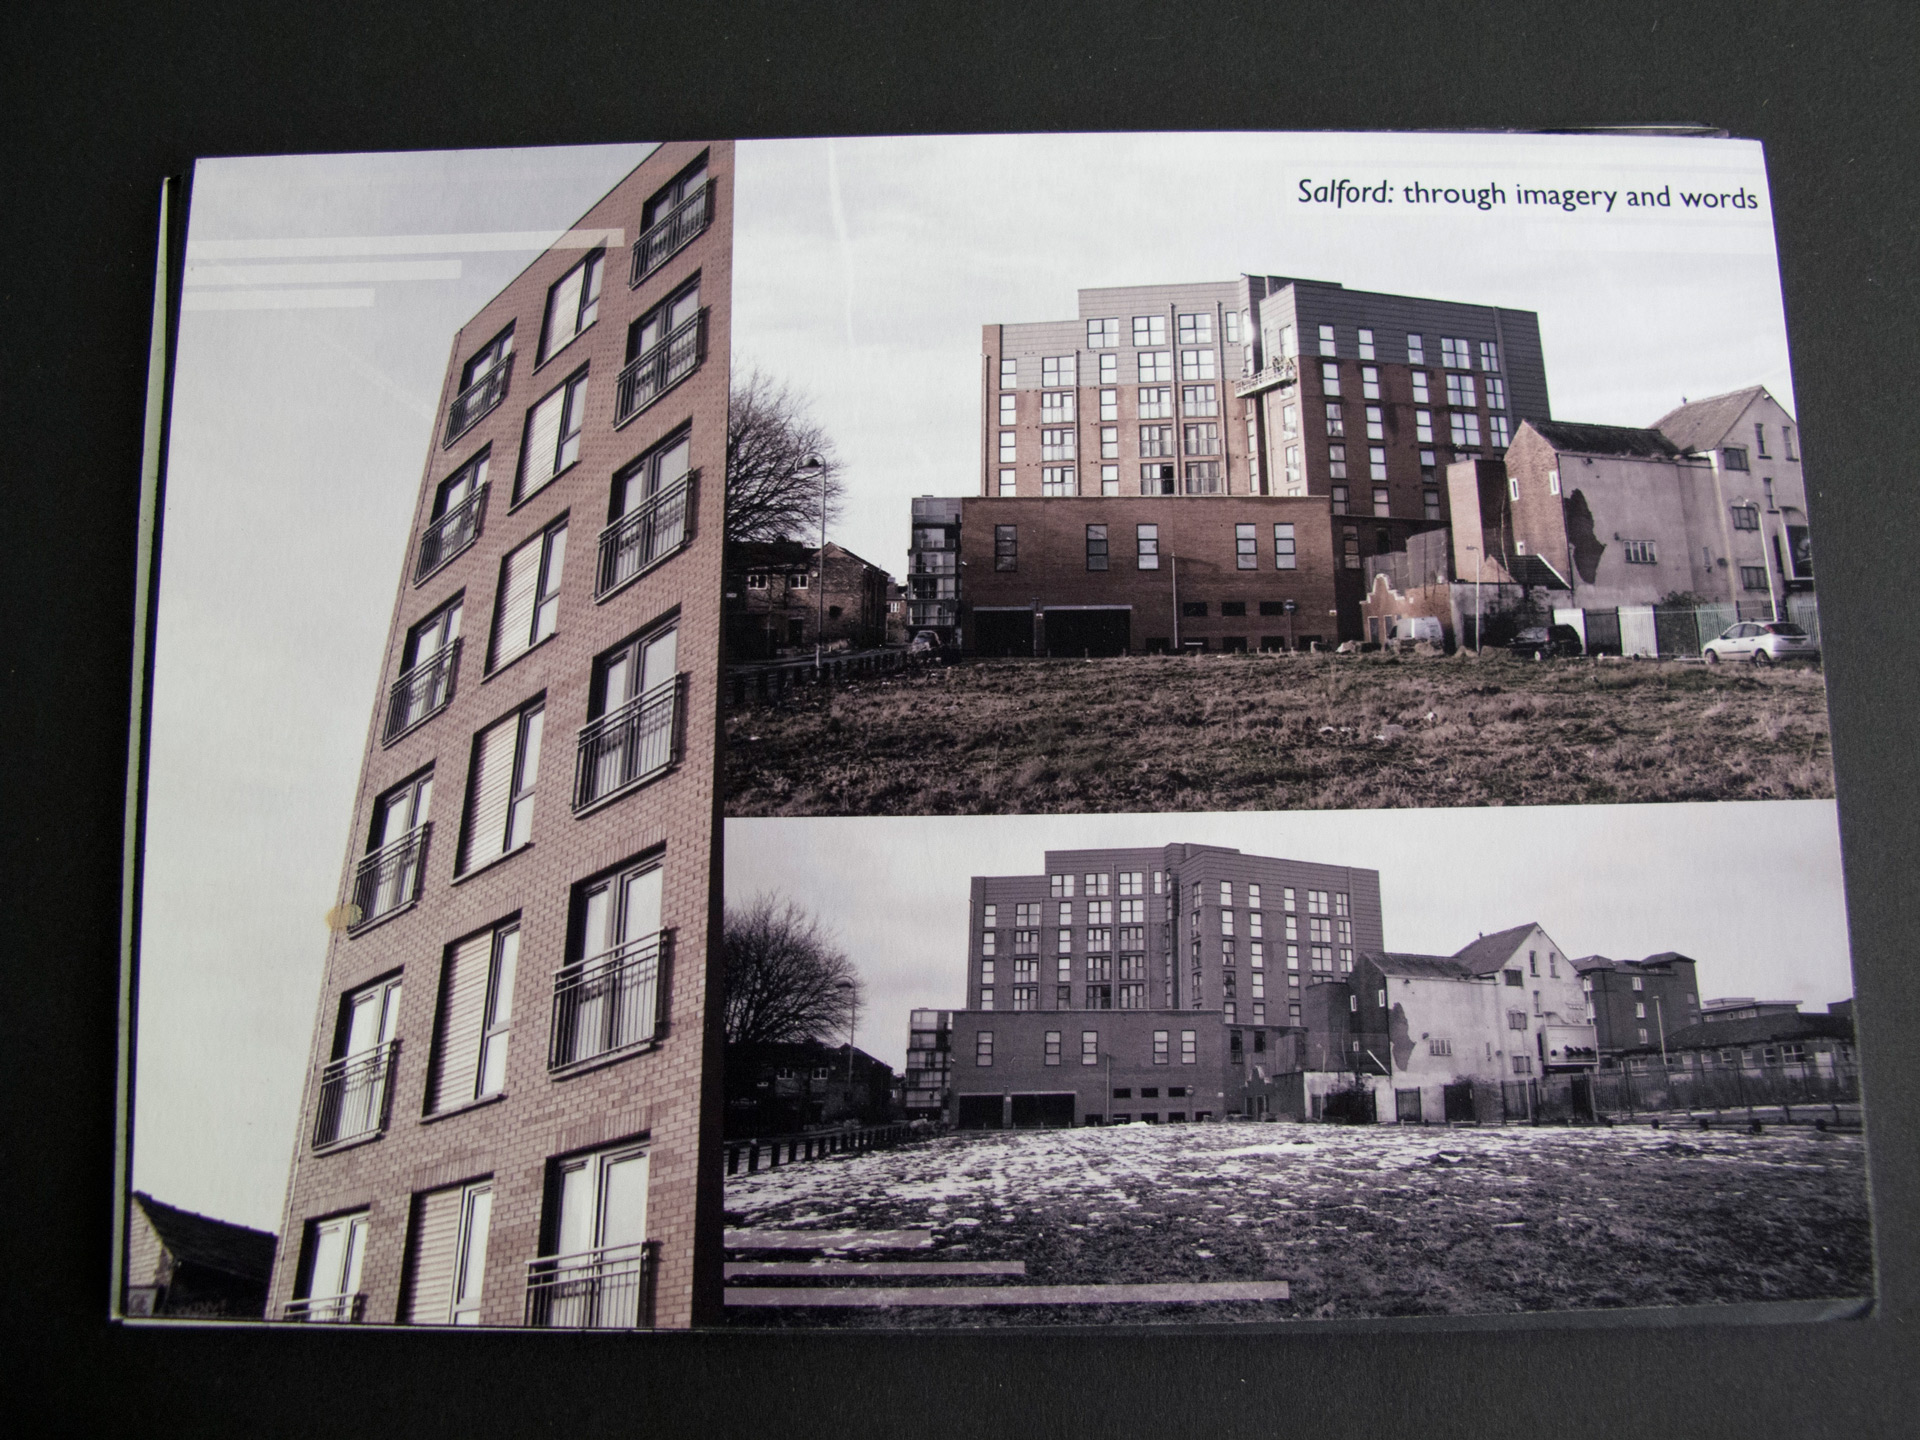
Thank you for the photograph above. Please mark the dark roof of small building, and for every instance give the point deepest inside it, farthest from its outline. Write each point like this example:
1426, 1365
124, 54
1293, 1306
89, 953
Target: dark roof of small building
836, 545
1490, 952
799, 1052
1699, 425
1580, 439
221, 1245
758, 554
1585, 963
1713, 1034
1651, 962
1421, 967
1534, 572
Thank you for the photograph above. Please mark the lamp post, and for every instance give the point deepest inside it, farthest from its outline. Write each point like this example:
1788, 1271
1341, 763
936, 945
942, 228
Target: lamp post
845, 987
813, 470
1475, 549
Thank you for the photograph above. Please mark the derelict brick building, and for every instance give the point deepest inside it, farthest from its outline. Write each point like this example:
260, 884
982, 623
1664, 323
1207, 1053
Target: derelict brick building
1159, 984
511, 1089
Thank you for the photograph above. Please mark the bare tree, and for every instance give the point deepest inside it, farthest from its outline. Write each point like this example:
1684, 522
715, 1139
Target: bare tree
786, 980
770, 437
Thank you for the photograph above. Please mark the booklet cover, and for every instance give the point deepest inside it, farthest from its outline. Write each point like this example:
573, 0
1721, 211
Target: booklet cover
1265, 692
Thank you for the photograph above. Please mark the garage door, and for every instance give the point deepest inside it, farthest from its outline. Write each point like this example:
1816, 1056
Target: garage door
1088, 632
979, 1112
1003, 632
1043, 1112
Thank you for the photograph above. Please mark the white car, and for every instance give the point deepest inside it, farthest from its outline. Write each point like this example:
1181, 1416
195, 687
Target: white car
1762, 642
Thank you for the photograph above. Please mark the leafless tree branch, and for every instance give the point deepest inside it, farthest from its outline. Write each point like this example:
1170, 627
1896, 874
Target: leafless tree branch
770, 436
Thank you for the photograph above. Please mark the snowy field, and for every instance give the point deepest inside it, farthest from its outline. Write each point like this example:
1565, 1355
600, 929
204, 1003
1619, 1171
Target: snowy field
1362, 1221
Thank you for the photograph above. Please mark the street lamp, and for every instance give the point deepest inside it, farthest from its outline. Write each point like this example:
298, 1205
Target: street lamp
813, 471
845, 987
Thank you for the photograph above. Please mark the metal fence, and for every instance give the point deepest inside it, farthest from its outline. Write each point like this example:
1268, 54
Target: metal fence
1660, 1089
676, 229
451, 533
474, 402
609, 1002
774, 1151
628, 745
638, 541
334, 1309
423, 692
1670, 631
610, 1288
389, 879
654, 372
770, 682
355, 1095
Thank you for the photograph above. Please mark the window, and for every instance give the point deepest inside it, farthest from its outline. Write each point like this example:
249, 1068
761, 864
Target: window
1516, 1019
1009, 409
1007, 483
1109, 404
1513, 487
1149, 330
1336, 423
1096, 547
1057, 370
1110, 444
552, 436
1460, 390
328, 1288
1196, 329
1156, 404
1640, 1010
1109, 369
1369, 382
1146, 540
1533, 962
1203, 478
1376, 423
1639, 552
458, 505
1380, 507
1156, 440
1245, 548
1056, 406
1203, 439
1465, 428
1734, 457
1189, 1047
633, 710
428, 662
1643, 1035
483, 385
354, 1088
1057, 480
447, 1255
797, 580
1423, 426
757, 580
1236, 321
1009, 369
1416, 350
1160, 1038
608, 997
1050, 1042
1377, 462
1366, 345
1089, 1047
1155, 365
572, 304
594, 1243
1103, 334
1293, 469
1290, 418
1523, 1064
1337, 461
1056, 444
1746, 516
1005, 547
1006, 446
1489, 355
1753, 577
1326, 340
1500, 435
1200, 400
506, 759
1786, 441
1196, 365
1496, 393
1421, 394
1430, 504
1029, 913
1110, 479
1329, 378
388, 879
1455, 354
649, 509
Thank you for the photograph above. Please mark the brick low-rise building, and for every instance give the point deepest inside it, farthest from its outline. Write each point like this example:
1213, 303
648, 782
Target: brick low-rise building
775, 599
1635, 1002
182, 1264
511, 1110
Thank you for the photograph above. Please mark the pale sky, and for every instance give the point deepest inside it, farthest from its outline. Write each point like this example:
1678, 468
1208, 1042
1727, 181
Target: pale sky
865, 268
299, 437
1750, 890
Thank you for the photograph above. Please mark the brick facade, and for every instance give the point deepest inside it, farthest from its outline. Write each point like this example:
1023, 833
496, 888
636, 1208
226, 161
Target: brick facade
664, 1095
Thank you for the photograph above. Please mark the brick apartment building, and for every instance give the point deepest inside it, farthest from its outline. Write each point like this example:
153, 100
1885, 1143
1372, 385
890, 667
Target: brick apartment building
1171, 401
1635, 1002
512, 1104
1157, 984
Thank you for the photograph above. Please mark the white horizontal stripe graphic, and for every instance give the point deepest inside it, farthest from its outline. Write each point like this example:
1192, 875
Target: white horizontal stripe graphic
277, 300
320, 247
361, 271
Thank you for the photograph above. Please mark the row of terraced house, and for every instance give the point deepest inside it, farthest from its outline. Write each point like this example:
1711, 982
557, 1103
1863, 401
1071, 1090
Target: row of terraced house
1273, 463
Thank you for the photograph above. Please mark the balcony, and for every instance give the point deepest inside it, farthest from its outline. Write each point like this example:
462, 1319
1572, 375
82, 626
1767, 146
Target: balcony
389, 879
938, 613
629, 746
609, 1003
1287, 372
451, 533
636, 542
606, 1289
650, 375
672, 233
422, 692
333, 1309
474, 402
354, 1096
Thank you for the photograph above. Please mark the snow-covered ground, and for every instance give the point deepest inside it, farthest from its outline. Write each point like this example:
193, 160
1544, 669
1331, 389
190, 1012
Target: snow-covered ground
1379, 1220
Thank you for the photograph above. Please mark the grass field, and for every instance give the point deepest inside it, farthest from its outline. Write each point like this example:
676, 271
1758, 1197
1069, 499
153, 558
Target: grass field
1279, 732
1367, 1221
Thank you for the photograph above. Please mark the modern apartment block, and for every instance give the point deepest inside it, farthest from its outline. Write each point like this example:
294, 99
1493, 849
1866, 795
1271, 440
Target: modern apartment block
1155, 984
1184, 405
512, 1102
927, 1083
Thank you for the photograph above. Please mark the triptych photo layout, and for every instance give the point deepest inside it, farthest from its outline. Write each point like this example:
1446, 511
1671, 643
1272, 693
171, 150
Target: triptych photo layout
997, 763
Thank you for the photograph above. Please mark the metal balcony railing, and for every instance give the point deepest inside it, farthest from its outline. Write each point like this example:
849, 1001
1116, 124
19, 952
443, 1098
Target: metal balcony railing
422, 692
933, 612
609, 1002
654, 372
606, 1289
451, 533
642, 539
1286, 372
671, 233
389, 879
629, 745
337, 1309
476, 400
355, 1096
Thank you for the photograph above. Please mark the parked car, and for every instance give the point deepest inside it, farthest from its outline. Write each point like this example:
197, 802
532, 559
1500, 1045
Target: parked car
1548, 640
1762, 642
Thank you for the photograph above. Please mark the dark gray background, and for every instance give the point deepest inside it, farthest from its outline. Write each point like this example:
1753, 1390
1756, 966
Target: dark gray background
103, 100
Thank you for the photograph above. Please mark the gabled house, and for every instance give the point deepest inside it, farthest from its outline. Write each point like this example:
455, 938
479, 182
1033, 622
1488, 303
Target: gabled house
183, 1264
